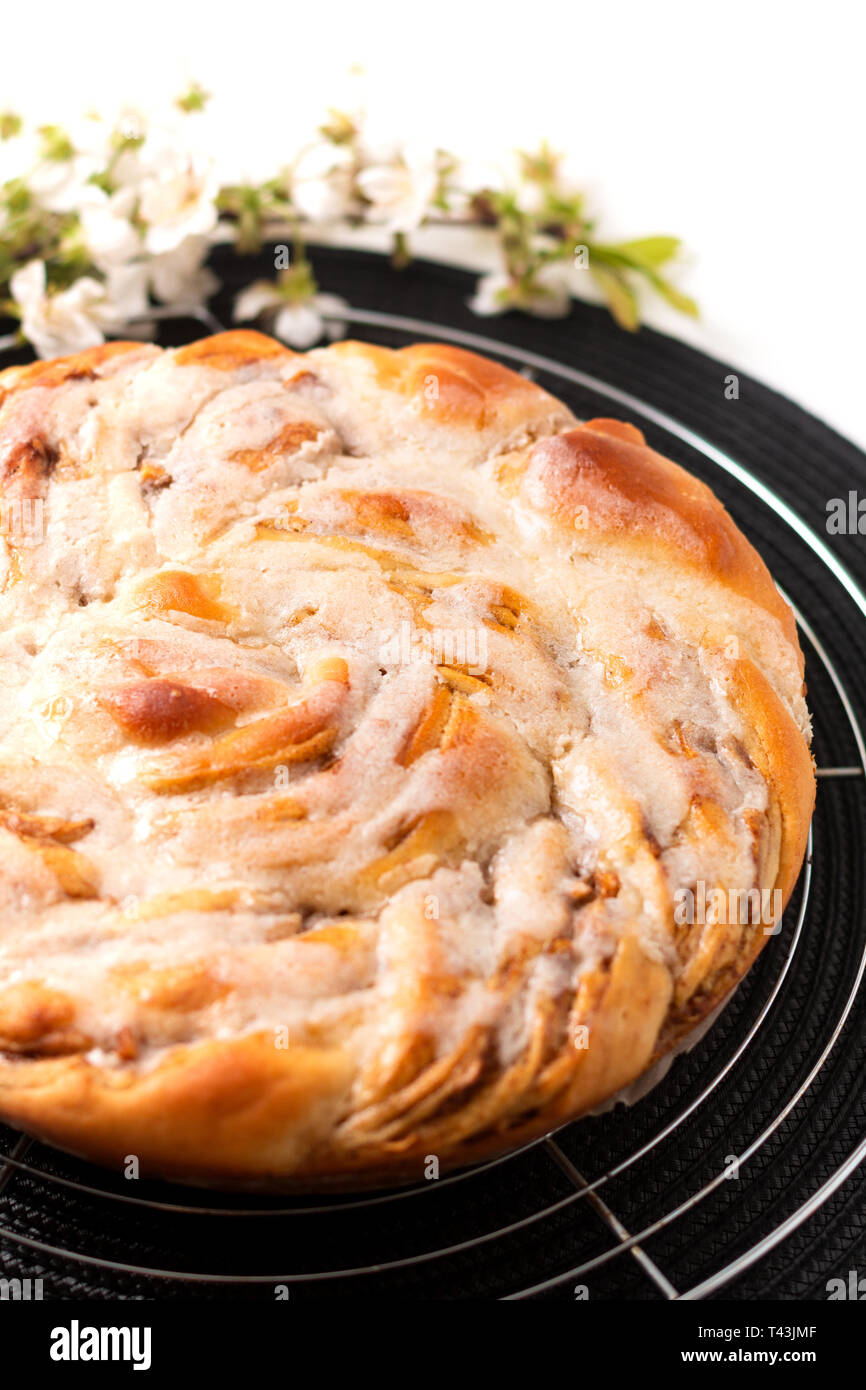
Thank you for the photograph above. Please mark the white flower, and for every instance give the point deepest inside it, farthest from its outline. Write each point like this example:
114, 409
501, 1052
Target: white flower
256, 299
530, 197
77, 318
401, 193
59, 323
90, 136
125, 297
323, 183
496, 293
177, 199
64, 186
109, 236
180, 276
17, 156
127, 170
493, 294
300, 324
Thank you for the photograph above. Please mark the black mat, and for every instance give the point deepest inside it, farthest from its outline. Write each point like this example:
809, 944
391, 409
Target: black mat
523, 1223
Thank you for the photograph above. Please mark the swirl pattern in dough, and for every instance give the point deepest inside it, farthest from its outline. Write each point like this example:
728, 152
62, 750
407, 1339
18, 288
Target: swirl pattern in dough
365, 720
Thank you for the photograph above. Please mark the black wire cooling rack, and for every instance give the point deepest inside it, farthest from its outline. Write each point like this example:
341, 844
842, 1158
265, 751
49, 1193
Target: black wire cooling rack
739, 1174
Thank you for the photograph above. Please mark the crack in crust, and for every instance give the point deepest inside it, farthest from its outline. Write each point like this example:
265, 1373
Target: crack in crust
365, 719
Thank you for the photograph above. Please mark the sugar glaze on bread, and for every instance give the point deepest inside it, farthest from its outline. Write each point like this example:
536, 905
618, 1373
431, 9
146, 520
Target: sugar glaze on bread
281, 902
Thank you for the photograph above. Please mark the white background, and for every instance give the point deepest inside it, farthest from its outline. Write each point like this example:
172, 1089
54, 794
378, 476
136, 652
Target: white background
737, 126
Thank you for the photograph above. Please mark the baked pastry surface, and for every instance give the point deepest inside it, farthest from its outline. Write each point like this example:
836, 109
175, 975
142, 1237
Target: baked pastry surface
363, 720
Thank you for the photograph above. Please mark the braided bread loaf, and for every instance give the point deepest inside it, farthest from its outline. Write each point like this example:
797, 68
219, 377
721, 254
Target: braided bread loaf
364, 720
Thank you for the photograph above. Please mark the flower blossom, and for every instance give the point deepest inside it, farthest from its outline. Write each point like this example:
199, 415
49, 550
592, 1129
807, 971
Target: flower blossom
299, 322
66, 321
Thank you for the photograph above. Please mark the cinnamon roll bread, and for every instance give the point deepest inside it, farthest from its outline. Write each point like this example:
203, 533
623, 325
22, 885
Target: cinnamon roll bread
366, 721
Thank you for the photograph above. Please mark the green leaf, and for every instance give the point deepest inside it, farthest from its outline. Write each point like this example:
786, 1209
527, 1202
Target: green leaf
16, 196
649, 251
56, 144
340, 128
123, 140
541, 167
10, 125
194, 99
615, 261
102, 180
683, 302
621, 298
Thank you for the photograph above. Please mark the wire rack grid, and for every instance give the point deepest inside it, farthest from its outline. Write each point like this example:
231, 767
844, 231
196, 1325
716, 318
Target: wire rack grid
560, 1186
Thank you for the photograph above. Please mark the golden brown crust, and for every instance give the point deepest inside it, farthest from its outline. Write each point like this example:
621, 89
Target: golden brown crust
629, 493
366, 721
237, 1109
226, 352
781, 755
81, 366
448, 383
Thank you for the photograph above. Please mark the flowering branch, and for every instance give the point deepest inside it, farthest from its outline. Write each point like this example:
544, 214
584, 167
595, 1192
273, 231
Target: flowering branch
101, 224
